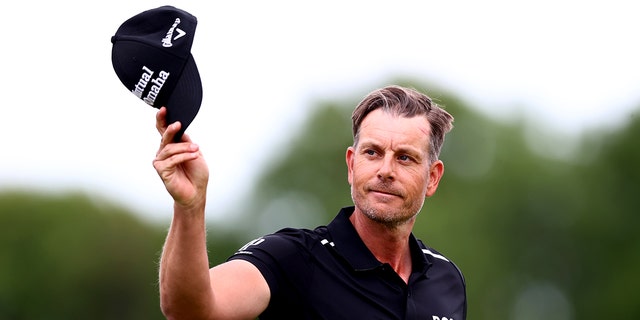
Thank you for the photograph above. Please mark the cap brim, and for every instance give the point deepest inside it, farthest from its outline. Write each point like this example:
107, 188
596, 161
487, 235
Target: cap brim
185, 100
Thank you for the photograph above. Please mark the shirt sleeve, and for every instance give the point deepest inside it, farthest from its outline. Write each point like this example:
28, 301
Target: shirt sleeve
283, 260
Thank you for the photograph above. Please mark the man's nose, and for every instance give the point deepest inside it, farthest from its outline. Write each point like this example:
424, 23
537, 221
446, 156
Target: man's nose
386, 171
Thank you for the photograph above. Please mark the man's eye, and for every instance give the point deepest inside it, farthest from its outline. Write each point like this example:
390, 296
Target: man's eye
404, 158
369, 152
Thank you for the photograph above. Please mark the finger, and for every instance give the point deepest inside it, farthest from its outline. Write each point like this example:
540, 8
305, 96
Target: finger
167, 166
175, 149
171, 157
186, 138
161, 120
169, 133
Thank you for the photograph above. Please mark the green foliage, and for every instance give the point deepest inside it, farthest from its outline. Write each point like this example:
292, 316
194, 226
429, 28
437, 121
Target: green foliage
71, 257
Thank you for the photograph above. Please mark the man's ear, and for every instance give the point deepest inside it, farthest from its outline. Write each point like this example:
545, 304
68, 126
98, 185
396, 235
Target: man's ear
435, 174
349, 158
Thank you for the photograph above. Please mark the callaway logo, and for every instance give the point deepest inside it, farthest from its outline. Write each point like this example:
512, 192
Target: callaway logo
166, 41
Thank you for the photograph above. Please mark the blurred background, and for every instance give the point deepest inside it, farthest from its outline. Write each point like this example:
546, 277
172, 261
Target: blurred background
537, 206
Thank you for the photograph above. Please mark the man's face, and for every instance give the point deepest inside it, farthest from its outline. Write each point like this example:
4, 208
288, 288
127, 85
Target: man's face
389, 169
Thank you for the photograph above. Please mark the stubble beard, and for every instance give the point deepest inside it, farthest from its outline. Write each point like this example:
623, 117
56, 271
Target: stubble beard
393, 218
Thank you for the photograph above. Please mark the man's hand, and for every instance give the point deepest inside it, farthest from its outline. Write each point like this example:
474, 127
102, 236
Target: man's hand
181, 165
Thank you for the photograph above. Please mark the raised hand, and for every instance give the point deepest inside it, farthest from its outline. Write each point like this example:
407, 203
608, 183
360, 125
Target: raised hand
181, 165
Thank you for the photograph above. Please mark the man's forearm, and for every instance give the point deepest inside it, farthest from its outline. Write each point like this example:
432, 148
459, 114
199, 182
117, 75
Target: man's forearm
185, 290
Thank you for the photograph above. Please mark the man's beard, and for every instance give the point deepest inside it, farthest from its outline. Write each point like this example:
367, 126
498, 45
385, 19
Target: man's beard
393, 218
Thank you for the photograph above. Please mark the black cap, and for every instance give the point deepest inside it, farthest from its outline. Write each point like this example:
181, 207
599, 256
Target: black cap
151, 55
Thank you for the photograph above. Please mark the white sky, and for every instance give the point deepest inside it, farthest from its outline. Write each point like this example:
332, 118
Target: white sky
69, 124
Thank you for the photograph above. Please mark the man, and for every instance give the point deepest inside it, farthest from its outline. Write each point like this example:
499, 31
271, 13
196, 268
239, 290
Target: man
365, 264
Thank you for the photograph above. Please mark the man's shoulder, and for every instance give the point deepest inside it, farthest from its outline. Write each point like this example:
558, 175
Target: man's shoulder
431, 252
440, 261
284, 241
301, 236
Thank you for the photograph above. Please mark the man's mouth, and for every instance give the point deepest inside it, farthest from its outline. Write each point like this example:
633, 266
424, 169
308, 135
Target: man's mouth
385, 192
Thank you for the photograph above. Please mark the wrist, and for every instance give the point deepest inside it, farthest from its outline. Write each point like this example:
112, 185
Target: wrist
193, 207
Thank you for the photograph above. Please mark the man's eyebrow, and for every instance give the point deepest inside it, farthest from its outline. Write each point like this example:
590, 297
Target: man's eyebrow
408, 149
368, 144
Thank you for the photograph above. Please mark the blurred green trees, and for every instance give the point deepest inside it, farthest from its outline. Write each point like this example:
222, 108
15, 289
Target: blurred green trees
73, 257
537, 236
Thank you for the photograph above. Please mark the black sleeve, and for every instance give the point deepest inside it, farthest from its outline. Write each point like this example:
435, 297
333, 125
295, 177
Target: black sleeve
283, 260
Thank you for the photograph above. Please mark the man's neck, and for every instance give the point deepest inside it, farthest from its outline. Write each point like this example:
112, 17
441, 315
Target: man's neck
389, 244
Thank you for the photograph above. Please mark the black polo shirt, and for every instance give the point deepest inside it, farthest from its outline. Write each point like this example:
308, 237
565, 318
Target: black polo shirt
329, 273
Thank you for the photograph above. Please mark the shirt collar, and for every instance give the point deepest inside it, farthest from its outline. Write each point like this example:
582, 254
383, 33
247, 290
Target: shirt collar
348, 244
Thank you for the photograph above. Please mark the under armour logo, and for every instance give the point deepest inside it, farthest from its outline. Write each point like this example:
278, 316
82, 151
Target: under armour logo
443, 318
